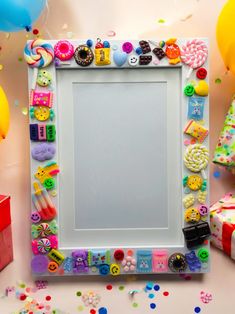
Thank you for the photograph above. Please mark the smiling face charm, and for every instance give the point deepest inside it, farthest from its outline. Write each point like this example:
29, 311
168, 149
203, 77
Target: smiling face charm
133, 60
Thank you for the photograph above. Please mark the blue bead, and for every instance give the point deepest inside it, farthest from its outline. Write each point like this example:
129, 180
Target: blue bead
106, 44
102, 310
138, 50
89, 43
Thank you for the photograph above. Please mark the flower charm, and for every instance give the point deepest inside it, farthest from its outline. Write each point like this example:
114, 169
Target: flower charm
129, 264
91, 299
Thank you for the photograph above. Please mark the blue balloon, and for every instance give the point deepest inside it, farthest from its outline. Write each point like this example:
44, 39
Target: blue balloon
16, 15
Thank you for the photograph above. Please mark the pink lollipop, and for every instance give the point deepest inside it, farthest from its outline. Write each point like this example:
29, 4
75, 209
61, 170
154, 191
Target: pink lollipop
194, 54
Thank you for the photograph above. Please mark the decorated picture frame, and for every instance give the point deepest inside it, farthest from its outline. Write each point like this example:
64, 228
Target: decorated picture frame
84, 97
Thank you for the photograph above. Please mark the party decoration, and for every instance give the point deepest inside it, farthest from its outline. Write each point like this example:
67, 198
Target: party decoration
119, 58
19, 15
4, 115
194, 53
42, 152
225, 35
202, 88
38, 53
196, 158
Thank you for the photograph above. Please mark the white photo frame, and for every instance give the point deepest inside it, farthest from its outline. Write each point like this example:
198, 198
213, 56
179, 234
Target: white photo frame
123, 138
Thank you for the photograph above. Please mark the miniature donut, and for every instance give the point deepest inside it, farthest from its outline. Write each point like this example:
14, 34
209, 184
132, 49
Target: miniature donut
64, 50
83, 55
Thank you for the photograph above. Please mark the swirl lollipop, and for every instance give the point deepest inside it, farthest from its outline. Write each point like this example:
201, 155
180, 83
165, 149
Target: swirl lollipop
38, 54
196, 158
194, 54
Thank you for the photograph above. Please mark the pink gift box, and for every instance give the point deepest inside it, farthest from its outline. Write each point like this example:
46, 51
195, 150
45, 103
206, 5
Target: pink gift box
6, 248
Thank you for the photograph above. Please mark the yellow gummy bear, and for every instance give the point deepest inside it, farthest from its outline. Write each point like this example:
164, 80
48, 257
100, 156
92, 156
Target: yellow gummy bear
102, 56
202, 88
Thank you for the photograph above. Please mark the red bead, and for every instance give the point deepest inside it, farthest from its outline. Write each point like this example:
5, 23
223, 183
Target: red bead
119, 255
35, 31
201, 73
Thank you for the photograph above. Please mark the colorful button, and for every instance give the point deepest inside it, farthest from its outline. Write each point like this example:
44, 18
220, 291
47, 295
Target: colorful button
119, 255
192, 215
172, 51
201, 73
177, 262
203, 210
52, 267
39, 264
189, 90
114, 269
203, 255
127, 47
104, 269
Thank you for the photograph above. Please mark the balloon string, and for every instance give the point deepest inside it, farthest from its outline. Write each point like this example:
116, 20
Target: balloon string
46, 20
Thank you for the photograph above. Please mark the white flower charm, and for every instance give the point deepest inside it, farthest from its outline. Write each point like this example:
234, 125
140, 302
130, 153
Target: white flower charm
129, 264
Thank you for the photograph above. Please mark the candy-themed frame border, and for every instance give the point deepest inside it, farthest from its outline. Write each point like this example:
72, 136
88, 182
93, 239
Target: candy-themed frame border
48, 259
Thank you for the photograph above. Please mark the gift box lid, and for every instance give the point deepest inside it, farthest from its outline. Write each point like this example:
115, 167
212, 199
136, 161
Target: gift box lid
5, 214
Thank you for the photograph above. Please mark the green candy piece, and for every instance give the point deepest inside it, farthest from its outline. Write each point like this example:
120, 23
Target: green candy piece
203, 255
50, 132
49, 184
189, 90
44, 78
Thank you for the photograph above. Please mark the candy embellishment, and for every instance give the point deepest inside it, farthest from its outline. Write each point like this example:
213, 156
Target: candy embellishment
189, 90
172, 51
83, 55
129, 264
119, 58
64, 50
114, 269
42, 152
145, 46
39, 264
177, 262
202, 89
194, 54
127, 47
201, 73
196, 158
203, 210
133, 60
192, 215
194, 182
38, 53
159, 53
44, 78
188, 200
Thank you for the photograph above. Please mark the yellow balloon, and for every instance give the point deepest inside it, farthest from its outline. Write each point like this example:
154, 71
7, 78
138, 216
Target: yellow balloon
226, 34
4, 115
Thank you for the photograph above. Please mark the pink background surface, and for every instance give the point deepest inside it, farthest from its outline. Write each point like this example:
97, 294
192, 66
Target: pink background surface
129, 19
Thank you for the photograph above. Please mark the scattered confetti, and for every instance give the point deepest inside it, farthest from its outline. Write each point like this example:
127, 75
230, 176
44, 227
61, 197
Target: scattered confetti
24, 111
111, 33
165, 293
92, 311
218, 81
1, 67
197, 309
149, 286
65, 26
8, 35
35, 31
152, 306
217, 174
41, 284
78, 294
109, 287
80, 308
156, 287
161, 21
151, 296
186, 18
135, 304
48, 298
20, 59
103, 310
121, 288
205, 297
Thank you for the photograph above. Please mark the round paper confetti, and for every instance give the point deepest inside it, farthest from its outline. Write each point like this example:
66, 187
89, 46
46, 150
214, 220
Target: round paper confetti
35, 31
156, 287
48, 298
22, 297
152, 306
165, 293
135, 304
197, 309
78, 294
217, 174
121, 288
20, 59
65, 26
92, 311
80, 308
102, 310
218, 81
151, 296
161, 21
1, 67
109, 287
24, 110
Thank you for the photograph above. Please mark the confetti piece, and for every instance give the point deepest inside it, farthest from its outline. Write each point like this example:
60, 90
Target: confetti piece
109, 287
152, 306
165, 293
161, 21
135, 304
48, 298
80, 308
102, 310
24, 111
197, 309
8, 35
217, 174
35, 31
186, 18
218, 81
92, 311
151, 296
156, 287
65, 26
111, 33
1, 67
121, 288
149, 286
186, 142
20, 59
78, 294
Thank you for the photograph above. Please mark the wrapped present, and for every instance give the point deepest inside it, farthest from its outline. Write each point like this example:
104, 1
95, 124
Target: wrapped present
222, 215
225, 150
6, 249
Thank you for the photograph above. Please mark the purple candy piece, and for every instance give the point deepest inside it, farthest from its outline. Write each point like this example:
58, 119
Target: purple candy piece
80, 261
43, 151
35, 217
127, 47
39, 264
